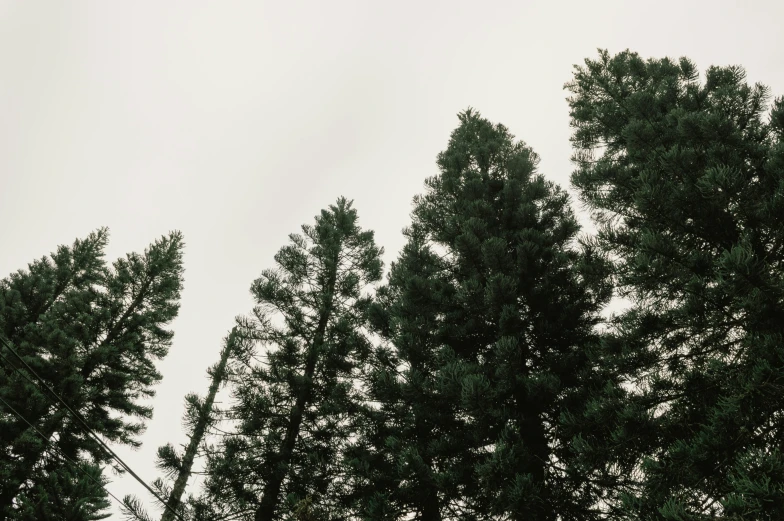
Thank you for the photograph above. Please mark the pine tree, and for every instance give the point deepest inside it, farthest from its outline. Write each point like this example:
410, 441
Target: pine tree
522, 322
491, 310
200, 414
407, 424
93, 335
199, 417
686, 181
294, 388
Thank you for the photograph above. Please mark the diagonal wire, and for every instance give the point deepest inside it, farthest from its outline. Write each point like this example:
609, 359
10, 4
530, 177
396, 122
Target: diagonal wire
90, 431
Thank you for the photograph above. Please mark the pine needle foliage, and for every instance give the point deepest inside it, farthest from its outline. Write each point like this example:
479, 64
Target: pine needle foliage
295, 386
686, 181
93, 333
489, 313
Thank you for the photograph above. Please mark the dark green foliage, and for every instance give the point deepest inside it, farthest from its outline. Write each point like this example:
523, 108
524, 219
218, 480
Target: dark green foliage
686, 180
490, 311
65, 493
407, 423
294, 385
493, 394
93, 334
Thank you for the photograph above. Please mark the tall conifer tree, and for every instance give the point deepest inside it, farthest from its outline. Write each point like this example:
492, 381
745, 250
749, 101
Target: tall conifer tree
295, 385
490, 310
93, 334
686, 181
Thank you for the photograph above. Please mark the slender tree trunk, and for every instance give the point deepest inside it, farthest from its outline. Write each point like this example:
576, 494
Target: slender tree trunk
270, 495
173, 502
269, 498
532, 432
535, 442
430, 507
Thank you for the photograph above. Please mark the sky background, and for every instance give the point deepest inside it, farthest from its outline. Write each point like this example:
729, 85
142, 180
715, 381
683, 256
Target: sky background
237, 121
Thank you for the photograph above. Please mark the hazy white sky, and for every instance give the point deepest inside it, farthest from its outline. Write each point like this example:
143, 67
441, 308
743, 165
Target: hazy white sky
237, 121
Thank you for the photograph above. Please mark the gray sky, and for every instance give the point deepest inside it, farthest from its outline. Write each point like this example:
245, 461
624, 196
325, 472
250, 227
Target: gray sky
237, 121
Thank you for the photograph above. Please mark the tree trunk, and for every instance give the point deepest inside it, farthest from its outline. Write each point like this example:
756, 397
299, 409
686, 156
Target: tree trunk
429, 507
270, 495
173, 502
535, 442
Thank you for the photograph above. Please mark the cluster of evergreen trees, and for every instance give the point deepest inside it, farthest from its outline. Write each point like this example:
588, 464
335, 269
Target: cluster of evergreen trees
483, 379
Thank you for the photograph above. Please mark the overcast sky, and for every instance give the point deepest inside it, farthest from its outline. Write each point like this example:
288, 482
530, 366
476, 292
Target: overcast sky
236, 122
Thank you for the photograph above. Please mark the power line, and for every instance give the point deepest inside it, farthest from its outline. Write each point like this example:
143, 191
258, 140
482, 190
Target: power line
90, 431
84, 425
